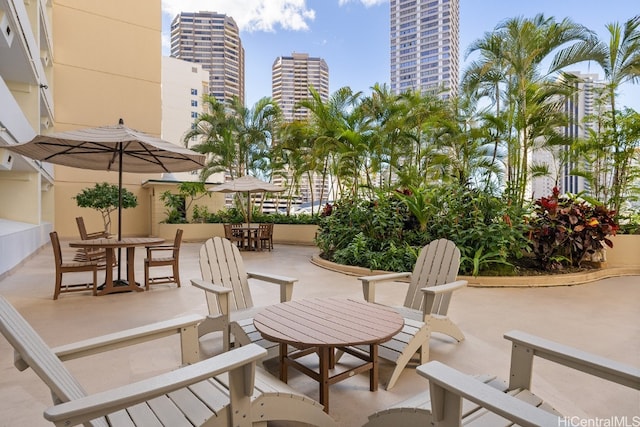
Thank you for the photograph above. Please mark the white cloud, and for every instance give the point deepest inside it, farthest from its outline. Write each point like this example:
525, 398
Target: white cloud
251, 15
366, 3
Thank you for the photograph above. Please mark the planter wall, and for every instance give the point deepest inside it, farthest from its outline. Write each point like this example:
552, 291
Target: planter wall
293, 234
192, 232
625, 251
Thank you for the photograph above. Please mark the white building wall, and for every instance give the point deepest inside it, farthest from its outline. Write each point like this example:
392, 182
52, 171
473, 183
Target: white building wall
183, 84
26, 109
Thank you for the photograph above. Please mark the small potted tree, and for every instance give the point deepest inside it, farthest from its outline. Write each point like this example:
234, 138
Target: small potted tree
104, 198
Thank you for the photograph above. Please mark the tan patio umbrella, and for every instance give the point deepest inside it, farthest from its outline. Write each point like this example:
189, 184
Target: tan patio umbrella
111, 148
247, 184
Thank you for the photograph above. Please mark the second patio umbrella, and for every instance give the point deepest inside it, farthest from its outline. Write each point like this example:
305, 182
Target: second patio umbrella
247, 184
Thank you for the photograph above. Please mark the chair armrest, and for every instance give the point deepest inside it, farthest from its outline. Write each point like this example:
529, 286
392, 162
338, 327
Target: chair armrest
221, 293
128, 337
525, 346
447, 287
100, 404
210, 287
438, 293
448, 387
369, 283
286, 283
160, 247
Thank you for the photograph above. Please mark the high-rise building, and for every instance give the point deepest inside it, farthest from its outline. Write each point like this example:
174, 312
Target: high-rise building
578, 107
425, 39
213, 40
291, 77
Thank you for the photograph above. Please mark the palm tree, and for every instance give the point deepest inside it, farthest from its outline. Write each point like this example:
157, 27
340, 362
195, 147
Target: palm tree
423, 115
215, 135
255, 128
235, 139
386, 122
328, 121
515, 53
620, 61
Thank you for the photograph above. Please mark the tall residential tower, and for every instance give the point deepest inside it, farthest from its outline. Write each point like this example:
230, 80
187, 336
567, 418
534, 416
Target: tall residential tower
291, 77
425, 46
213, 40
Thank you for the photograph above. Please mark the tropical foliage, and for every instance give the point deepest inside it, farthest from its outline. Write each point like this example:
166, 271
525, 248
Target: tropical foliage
178, 204
563, 230
411, 167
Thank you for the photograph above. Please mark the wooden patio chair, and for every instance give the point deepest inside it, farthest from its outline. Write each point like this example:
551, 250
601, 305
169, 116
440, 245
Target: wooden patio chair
223, 390
431, 286
265, 236
87, 236
71, 267
171, 259
233, 235
456, 399
86, 254
226, 285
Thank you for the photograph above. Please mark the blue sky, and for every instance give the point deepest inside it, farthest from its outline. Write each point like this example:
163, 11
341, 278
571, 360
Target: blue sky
353, 35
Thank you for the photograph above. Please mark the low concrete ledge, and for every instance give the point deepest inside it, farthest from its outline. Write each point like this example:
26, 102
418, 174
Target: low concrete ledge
503, 281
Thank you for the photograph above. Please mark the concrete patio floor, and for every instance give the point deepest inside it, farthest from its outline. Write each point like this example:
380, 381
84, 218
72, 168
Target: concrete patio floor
602, 317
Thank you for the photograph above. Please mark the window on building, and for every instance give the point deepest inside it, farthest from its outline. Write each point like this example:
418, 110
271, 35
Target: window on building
194, 91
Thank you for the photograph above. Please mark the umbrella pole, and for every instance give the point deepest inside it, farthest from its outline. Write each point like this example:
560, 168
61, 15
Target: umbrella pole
120, 211
249, 231
248, 208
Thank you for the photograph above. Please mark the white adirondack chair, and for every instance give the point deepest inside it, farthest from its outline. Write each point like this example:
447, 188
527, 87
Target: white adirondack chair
456, 399
224, 390
226, 285
431, 286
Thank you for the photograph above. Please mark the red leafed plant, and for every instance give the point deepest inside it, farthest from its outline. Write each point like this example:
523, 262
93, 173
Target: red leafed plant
564, 229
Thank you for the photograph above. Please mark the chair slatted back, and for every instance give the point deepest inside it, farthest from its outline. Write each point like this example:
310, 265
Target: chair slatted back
57, 251
222, 265
228, 231
177, 242
264, 230
81, 228
437, 264
31, 349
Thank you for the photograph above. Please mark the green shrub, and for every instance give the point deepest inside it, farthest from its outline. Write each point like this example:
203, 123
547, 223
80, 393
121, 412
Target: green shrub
487, 230
387, 233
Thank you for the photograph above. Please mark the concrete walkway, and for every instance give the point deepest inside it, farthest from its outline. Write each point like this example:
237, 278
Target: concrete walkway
602, 317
